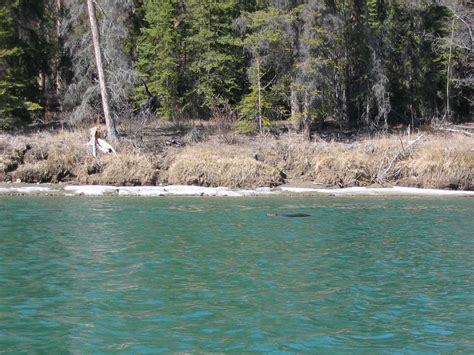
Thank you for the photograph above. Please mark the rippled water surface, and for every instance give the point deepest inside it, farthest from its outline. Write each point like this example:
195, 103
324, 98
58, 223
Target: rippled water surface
216, 275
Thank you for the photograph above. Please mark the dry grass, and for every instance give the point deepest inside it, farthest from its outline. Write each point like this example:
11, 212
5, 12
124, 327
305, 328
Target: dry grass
447, 162
331, 163
291, 154
12, 153
443, 161
208, 166
358, 164
66, 156
53, 157
431, 162
121, 170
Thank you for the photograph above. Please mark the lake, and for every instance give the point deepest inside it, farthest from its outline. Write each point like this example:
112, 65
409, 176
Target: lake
148, 275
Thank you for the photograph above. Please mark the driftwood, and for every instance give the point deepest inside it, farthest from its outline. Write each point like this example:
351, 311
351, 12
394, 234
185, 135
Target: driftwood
99, 143
457, 131
406, 151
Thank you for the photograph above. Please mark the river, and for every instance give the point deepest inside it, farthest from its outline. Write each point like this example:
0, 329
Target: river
174, 274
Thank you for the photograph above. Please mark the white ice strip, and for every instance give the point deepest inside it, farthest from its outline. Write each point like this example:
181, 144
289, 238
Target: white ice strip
298, 189
183, 190
26, 190
174, 190
91, 190
380, 191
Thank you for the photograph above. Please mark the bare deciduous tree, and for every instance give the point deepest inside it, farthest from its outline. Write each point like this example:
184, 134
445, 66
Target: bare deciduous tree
461, 39
109, 121
82, 93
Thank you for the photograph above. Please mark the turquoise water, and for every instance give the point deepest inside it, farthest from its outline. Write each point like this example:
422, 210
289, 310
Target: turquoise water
94, 275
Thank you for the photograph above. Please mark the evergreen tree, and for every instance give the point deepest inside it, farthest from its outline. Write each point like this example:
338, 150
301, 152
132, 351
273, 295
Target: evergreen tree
357, 61
11, 90
413, 75
22, 56
456, 54
215, 56
268, 44
315, 68
161, 52
363, 62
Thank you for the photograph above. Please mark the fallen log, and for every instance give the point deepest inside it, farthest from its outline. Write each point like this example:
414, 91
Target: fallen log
456, 131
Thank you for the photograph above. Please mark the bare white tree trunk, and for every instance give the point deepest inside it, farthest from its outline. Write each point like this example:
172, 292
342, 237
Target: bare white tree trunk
259, 98
306, 117
448, 75
109, 121
58, 36
294, 103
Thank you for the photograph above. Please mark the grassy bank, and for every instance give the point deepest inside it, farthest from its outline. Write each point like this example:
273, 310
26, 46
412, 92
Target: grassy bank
195, 156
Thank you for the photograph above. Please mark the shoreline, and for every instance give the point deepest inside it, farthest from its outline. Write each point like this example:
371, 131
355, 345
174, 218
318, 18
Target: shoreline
246, 163
13, 189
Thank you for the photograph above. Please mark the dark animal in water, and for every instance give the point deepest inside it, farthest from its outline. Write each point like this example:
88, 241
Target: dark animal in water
152, 102
269, 214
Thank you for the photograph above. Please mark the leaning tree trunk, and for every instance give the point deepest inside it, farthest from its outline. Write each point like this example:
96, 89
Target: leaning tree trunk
109, 121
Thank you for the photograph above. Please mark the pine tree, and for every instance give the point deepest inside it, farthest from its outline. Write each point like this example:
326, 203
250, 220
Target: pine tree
413, 82
270, 52
162, 53
357, 62
10, 89
215, 58
22, 55
315, 68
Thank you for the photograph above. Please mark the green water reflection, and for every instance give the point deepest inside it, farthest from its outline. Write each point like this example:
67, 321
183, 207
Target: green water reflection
217, 275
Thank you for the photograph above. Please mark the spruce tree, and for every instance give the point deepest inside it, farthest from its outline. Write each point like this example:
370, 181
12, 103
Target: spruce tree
268, 45
411, 70
215, 56
357, 61
11, 90
22, 56
315, 69
162, 52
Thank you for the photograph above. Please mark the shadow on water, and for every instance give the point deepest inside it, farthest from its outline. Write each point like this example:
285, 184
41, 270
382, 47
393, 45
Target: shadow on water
217, 274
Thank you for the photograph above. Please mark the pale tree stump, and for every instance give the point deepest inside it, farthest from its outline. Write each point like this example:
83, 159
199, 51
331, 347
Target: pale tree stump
99, 143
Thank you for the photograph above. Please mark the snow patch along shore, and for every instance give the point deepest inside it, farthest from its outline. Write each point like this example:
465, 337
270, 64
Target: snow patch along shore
174, 190
26, 190
380, 191
184, 190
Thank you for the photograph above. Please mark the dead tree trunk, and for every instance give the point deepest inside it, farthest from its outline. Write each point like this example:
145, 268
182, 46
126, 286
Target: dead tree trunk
109, 121
57, 72
448, 75
294, 104
306, 117
259, 98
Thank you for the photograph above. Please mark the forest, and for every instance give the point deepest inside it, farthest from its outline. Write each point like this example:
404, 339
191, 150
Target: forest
359, 63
